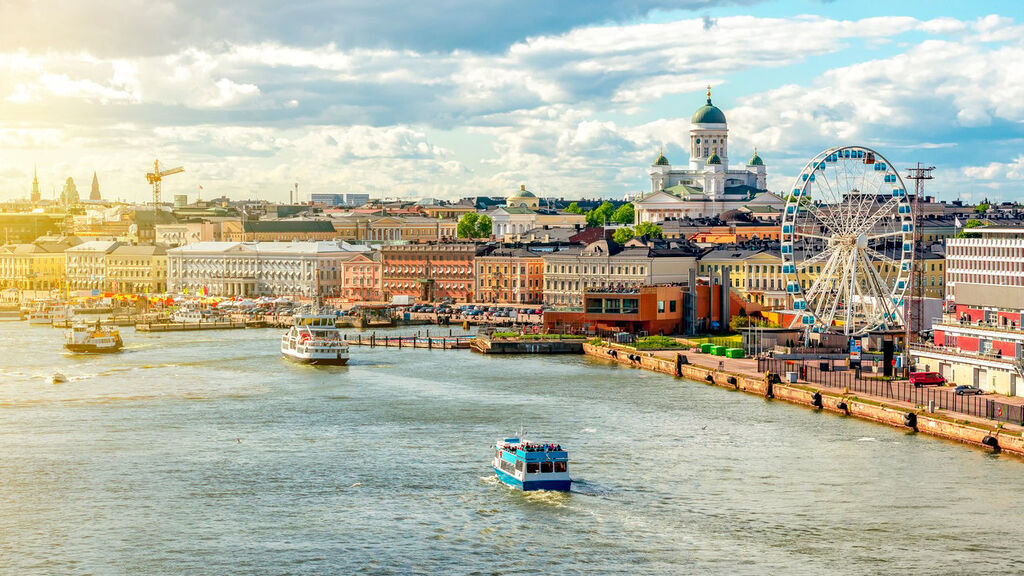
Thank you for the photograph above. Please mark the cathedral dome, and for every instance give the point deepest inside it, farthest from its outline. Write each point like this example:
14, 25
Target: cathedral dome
708, 114
661, 161
755, 160
714, 159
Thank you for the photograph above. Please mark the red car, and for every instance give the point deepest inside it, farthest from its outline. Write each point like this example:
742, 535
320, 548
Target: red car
919, 379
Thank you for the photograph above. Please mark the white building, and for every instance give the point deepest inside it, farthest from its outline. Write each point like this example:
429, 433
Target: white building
258, 268
86, 264
707, 186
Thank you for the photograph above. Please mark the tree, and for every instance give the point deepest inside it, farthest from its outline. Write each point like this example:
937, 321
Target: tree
467, 225
574, 208
624, 214
972, 223
982, 208
484, 226
623, 235
599, 215
648, 230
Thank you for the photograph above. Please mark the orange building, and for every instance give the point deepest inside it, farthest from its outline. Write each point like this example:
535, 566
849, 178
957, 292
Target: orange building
360, 277
510, 276
428, 272
733, 233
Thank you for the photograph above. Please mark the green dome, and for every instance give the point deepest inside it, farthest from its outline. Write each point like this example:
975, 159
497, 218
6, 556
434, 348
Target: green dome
708, 114
522, 193
714, 159
755, 160
661, 161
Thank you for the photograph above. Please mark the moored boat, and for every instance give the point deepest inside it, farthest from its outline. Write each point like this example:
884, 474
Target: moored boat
529, 466
93, 339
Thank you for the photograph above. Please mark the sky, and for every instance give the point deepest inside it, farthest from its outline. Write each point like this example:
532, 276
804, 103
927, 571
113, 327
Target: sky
455, 98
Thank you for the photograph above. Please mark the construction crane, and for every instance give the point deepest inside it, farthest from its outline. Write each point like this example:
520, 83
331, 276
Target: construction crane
155, 177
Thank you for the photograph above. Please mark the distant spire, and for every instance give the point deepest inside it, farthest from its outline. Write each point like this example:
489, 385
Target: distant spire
709, 94
35, 197
95, 193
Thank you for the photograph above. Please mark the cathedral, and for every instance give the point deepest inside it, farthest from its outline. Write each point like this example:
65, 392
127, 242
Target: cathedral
707, 186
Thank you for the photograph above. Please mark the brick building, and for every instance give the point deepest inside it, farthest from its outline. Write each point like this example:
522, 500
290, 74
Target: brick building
429, 272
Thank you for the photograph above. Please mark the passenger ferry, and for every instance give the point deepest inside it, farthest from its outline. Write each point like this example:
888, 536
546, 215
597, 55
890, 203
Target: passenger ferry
93, 339
196, 315
528, 466
45, 313
314, 339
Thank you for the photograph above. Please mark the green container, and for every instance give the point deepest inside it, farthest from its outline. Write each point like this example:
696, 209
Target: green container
718, 350
734, 352
706, 347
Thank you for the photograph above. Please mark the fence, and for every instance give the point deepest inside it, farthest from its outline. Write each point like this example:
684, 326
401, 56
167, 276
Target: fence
853, 380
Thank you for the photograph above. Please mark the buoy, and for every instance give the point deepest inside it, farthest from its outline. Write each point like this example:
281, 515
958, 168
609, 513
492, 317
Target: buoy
731, 380
842, 406
991, 441
910, 420
709, 378
816, 400
770, 391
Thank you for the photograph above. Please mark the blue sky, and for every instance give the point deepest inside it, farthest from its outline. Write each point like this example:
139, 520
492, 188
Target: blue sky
457, 98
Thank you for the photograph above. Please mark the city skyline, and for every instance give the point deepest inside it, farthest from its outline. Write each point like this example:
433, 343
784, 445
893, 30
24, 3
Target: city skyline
573, 101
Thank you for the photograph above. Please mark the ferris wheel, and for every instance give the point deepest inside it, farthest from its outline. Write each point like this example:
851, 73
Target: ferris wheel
847, 243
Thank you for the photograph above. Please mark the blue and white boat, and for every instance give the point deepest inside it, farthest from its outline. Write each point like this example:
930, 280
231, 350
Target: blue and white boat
529, 466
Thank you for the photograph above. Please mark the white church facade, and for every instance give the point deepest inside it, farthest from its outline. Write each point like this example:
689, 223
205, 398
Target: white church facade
707, 186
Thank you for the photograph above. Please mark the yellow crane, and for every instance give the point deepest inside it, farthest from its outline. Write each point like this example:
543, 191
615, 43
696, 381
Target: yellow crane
155, 177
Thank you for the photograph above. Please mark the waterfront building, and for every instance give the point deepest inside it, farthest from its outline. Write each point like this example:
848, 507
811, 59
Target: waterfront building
277, 230
360, 277
429, 272
603, 264
356, 227
510, 276
980, 337
252, 269
86, 264
755, 272
39, 265
136, 270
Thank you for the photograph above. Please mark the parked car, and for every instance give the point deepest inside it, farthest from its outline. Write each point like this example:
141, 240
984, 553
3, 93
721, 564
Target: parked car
919, 379
966, 390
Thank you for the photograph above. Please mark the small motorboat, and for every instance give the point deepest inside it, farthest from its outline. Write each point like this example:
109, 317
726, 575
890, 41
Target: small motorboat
57, 377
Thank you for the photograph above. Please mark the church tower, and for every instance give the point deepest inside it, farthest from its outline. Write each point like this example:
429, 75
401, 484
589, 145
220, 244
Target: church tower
35, 197
95, 193
709, 134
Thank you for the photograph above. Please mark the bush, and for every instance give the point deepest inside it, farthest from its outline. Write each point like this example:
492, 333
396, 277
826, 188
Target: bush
658, 343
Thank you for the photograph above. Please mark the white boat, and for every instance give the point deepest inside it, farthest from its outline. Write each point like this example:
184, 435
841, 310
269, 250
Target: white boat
43, 312
195, 316
314, 339
93, 339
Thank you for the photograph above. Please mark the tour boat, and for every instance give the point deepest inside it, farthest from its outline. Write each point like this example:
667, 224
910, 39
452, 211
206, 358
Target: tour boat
528, 466
42, 313
195, 316
93, 339
314, 339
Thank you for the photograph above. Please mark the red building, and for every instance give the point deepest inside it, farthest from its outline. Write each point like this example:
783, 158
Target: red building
428, 272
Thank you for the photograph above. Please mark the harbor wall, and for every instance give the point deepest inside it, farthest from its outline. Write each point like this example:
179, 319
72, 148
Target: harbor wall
940, 425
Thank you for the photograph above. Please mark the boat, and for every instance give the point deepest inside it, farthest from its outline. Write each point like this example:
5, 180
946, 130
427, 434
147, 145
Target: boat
315, 339
93, 339
57, 378
196, 316
43, 312
530, 466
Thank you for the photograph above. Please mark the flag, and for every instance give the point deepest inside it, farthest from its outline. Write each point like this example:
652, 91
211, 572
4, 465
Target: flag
956, 222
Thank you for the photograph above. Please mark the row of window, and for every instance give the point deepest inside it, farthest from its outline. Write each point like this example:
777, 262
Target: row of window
603, 270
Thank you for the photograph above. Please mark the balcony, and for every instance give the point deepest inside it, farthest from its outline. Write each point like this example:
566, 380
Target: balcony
953, 320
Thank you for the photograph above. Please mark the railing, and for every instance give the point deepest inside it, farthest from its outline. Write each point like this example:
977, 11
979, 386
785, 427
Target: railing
853, 380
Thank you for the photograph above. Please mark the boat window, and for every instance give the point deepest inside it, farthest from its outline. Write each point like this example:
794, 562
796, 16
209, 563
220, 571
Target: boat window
561, 466
532, 467
545, 467
519, 465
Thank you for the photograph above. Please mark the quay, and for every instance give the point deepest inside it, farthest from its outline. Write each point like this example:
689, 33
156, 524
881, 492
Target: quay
189, 326
486, 343
742, 375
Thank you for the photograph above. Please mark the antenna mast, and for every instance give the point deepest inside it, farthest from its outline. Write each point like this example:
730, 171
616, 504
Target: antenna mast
913, 318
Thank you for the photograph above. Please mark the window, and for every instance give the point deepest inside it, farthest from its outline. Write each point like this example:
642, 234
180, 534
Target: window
532, 467
661, 306
519, 465
561, 466
546, 467
671, 305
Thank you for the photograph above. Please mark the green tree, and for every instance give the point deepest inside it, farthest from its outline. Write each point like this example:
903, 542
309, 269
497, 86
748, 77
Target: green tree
982, 208
484, 226
574, 208
972, 223
599, 215
624, 214
467, 225
649, 230
623, 235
